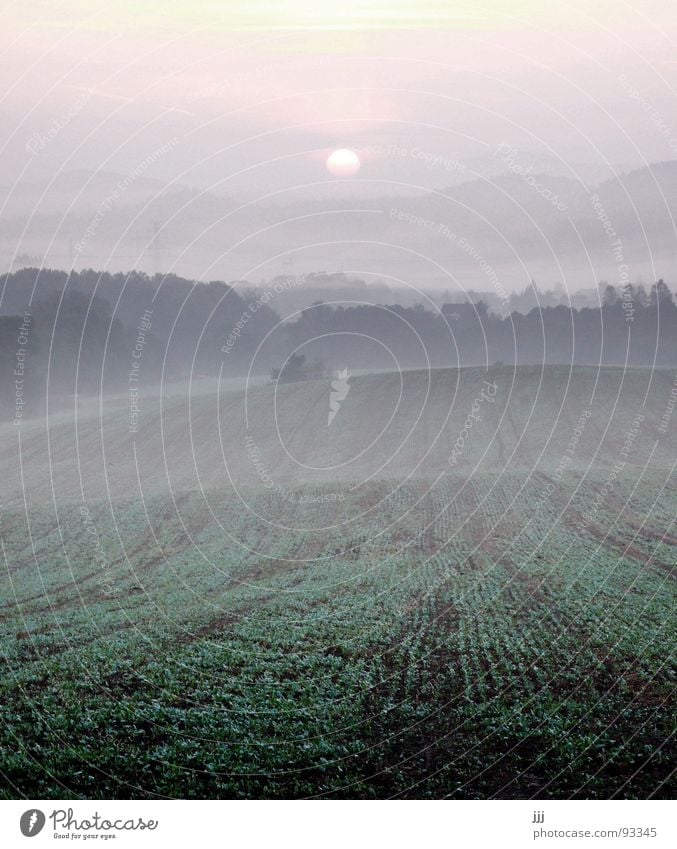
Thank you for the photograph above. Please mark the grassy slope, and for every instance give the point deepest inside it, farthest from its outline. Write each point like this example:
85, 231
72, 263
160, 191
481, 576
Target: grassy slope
498, 630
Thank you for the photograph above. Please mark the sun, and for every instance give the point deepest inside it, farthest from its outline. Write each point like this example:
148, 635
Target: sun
343, 163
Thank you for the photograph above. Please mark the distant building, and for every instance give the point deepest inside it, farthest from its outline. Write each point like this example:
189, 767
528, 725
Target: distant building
465, 312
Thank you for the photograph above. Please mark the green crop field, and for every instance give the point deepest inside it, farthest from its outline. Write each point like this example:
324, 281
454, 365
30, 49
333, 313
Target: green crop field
384, 623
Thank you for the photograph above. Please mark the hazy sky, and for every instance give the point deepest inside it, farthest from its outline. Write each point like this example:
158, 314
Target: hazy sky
248, 99
544, 76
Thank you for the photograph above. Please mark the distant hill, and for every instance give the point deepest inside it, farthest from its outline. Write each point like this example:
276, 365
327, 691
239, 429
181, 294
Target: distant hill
526, 224
548, 421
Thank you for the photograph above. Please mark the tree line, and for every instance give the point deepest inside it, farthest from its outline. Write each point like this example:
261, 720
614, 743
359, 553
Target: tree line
82, 333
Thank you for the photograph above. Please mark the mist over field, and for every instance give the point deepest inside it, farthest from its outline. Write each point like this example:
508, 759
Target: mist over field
338, 373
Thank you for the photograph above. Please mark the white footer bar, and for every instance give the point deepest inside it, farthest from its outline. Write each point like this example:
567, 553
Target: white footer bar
315, 824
